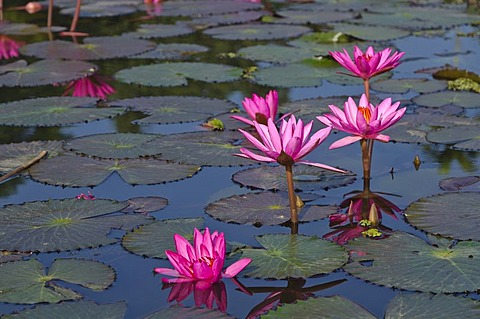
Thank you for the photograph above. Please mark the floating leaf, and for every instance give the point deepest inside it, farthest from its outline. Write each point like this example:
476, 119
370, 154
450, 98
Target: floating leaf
370, 33
180, 312
18, 28
402, 261
43, 72
462, 99
68, 170
175, 109
153, 31
191, 8
153, 239
172, 51
175, 74
457, 183
275, 53
299, 75
457, 135
310, 16
293, 256
309, 109
54, 111
94, 48
145, 205
401, 86
453, 215
256, 32
306, 178
330, 308
17, 154
6, 256
62, 224
225, 19
27, 282
101, 8
431, 306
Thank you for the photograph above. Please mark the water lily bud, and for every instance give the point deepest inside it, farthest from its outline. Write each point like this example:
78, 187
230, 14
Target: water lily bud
373, 216
33, 7
416, 162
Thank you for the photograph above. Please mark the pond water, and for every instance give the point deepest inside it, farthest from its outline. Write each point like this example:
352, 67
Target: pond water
446, 39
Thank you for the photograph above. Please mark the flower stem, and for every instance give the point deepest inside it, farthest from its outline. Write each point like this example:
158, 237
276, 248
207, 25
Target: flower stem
366, 85
291, 195
367, 148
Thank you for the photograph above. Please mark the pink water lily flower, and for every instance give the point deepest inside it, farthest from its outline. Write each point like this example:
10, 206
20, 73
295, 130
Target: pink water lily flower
202, 261
287, 146
89, 86
369, 64
364, 121
8, 47
260, 109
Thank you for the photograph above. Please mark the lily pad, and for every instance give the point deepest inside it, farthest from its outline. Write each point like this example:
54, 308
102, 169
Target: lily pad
306, 178
194, 8
331, 308
458, 183
407, 262
432, 306
113, 145
17, 154
256, 32
460, 98
275, 53
180, 312
311, 17
154, 31
457, 135
265, 208
293, 256
18, 28
101, 8
225, 19
93, 48
55, 111
175, 109
6, 256
69, 170
176, 74
309, 109
153, 239
460, 210
172, 51
145, 205
28, 282
370, 33
401, 86
86, 308
63, 224
43, 72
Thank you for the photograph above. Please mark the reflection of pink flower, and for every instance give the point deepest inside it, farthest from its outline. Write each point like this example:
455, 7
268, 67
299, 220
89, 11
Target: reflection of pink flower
87, 197
364, 121
92, 85
204, 293
260, 109
343, 234
369, 64
203, 261
8, 47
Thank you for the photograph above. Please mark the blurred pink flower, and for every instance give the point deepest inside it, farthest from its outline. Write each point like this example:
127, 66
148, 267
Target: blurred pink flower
203, 261
92, 85
369, 64
364, 121
260, 109
204, 293
33, 7
87, 197
8, 47
287, 146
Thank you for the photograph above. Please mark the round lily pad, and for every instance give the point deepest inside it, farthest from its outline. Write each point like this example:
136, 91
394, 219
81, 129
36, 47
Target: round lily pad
306, 178
153, 31
457, 183
190, 8
145, 205
101, 8
275, 53
225, 19
63, 224
180, 312
310, 16
19, 28
153, 239
172, 51
457, 135
176, 74
6, 256
460, 98
370, 33
402, 86
69, 170
17, 154
113, 145
453, 215
28, 282
408, 262
94, 48
256, 32
265, 208
293, 256
54, 111
309, 109
175, 109
43, 72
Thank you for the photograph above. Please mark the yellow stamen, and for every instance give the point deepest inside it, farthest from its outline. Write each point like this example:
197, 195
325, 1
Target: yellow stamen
366, 113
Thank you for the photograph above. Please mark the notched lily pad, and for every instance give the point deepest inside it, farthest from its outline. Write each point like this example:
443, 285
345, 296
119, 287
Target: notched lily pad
153, 31
17, 154
55, 111
453, 215
295, 256
28, 282
172, 51
401, 86
153, 239
460, 98
145, 205
256, 32
462, 137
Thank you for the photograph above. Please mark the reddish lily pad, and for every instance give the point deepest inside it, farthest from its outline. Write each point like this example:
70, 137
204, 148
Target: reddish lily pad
265, 208
172, 51
17, 154
144, 205
256, 32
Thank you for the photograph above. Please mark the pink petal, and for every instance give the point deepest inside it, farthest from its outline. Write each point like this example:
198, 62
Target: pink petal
327, 167
345, 141
180, 263
249, 154
242, 119
167, 272
236, 267
184, 247
202, 271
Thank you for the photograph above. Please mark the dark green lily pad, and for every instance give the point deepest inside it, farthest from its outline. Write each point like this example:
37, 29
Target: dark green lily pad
101, 8
457, 183
311, 17
293, 256
457, 135
204, 148
86, 308
176, 74
94, 48
43, 72
306, 178
154, 31
225, 19
180, 312
193, 8
113, 145
401, 86
407, 262
309, 109
18, 28
460, 98
17, 154
69, 170
145, 205
331, 308
275, 53
175, 109
453, 215
28, 282
55, 111
265, 208
370, 33
63, 224
153, 239
256, 32
432, 306
172, 51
